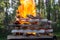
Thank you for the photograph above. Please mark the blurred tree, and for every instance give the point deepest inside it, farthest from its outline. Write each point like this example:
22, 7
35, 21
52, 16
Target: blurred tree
40, 8
2, 15
58, 22
48, 8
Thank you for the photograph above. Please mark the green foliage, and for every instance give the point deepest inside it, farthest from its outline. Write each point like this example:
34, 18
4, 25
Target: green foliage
2, 15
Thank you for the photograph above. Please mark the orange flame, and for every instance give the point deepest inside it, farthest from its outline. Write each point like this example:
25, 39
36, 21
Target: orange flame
27, 7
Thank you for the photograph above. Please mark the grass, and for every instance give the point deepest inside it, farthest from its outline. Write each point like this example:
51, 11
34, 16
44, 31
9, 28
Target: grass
57, 34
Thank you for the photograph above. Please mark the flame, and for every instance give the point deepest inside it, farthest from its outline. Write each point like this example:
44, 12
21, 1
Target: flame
27, 7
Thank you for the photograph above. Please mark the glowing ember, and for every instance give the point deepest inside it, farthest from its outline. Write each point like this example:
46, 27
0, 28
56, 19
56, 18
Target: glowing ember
27, 7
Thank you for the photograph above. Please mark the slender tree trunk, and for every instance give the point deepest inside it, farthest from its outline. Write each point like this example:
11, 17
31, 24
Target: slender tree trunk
48, 8
59, 10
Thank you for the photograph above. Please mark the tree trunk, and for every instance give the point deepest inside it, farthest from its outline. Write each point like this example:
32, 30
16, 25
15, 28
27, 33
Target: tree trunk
48, 8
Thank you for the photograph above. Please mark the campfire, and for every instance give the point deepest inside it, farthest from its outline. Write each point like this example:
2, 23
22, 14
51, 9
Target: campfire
25, 11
